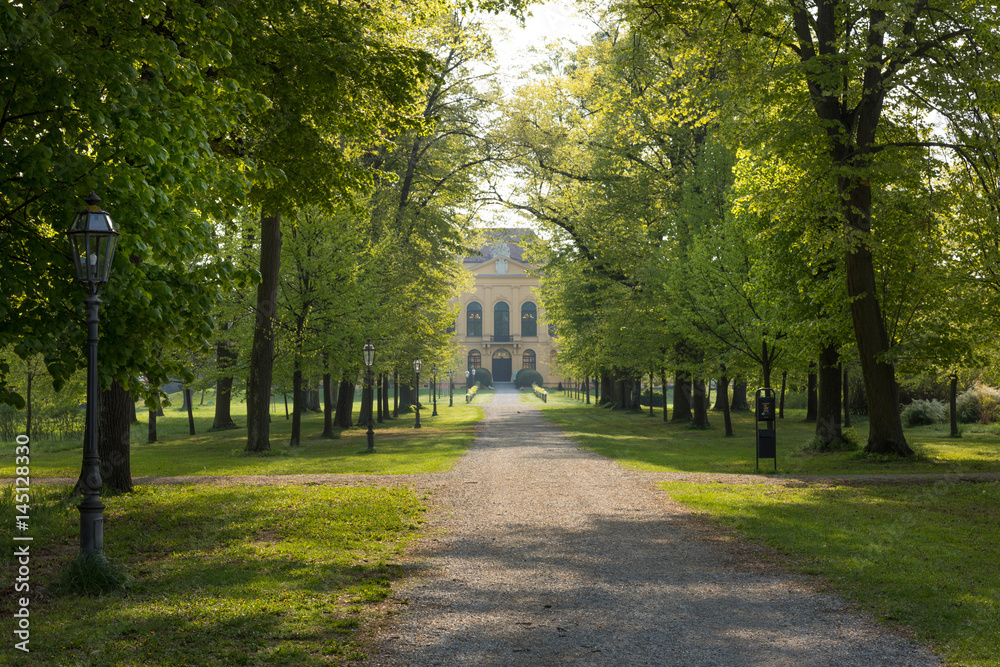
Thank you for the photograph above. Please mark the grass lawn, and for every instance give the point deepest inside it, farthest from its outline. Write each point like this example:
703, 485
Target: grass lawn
222, 575
399, 448
639, 441
923, 556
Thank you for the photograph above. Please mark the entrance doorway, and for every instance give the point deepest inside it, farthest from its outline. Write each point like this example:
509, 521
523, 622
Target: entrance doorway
502, 366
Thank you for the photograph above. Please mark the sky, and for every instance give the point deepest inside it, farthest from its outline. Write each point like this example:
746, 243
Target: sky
549, 22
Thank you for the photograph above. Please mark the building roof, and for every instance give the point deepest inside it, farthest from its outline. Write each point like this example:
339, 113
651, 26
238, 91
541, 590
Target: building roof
511, 236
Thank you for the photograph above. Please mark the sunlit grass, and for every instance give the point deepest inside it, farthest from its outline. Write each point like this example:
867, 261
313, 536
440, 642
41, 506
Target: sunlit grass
399, 448
644, 442
920, 555
237, 575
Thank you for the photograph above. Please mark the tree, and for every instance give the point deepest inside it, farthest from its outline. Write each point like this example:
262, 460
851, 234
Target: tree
858, 66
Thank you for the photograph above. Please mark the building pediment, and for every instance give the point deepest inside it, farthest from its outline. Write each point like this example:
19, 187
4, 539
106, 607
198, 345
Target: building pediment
499, 266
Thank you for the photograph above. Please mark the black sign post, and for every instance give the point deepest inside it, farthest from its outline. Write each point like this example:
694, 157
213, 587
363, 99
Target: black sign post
764, 416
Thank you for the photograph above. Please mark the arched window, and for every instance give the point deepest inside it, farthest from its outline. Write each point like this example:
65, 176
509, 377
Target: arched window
529, 320
475, 359
474, 320
528, 359
501, 321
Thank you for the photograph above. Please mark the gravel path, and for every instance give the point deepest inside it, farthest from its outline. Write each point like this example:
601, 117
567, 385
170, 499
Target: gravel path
539, 553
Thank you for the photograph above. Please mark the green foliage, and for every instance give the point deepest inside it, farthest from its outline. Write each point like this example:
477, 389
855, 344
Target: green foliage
980, 404
484, 377
925, 413
528, 377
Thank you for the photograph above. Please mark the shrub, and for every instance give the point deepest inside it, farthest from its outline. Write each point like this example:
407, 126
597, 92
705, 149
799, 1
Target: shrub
528, 377
484, 378
979, 404
657, 398
924, 413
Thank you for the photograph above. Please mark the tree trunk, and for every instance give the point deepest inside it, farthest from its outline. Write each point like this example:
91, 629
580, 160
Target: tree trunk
115, 408
700, 404
407, 397
781, 403
885, 428
586, 384
298, 396
27, 404
682, 397
378, 403
328, 400
663, 385
366, 401
724, 399
847, 400
135, 414
151, 437
953, 407
395, 394
262, 351
385, 397
312, 393
190, 410
225, 358
828, 430
607, 389
345, 405
811, 394
202, 401
652, 379
740, 403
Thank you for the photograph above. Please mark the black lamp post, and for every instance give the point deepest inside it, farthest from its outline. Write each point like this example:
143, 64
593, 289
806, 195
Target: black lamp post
434, 374
369, 355
416, 370
451, 388
92, 239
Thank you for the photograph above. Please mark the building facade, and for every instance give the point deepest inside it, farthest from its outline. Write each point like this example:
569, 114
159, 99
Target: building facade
500, 324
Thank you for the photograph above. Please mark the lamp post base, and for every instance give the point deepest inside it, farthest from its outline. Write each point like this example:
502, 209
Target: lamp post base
91, 526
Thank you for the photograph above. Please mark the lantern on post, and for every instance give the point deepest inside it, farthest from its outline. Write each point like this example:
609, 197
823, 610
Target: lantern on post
416, 371
92, 239
368, 352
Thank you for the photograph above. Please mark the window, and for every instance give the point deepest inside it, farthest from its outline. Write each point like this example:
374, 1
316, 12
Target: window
475, 359
474, 320
529, 320
501, 321
528, 359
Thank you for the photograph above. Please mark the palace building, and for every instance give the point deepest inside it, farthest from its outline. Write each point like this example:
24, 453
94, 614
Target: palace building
500, 325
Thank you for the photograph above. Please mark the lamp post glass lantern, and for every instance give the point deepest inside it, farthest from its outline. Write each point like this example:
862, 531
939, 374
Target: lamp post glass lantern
416, 371
92, 239
369, 356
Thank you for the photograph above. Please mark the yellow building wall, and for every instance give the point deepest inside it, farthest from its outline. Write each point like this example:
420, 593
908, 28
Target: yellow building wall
503, 279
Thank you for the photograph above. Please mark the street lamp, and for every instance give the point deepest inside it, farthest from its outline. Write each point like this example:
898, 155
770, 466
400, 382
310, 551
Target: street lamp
92, 239
434, 374
416, 370
451, 388
369, 355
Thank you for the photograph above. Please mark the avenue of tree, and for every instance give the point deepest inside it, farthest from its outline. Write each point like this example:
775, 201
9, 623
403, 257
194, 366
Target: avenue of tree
731, 191
735, 188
